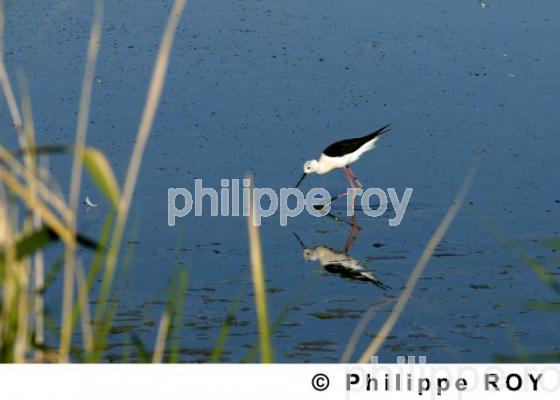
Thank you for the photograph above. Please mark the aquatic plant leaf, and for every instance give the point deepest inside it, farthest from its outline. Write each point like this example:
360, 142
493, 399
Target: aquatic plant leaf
142, 352
224, 332
102, 174
36, 240
95, 162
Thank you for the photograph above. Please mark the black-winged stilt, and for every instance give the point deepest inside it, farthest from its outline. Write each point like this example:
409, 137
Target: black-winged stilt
339, 261
340, 155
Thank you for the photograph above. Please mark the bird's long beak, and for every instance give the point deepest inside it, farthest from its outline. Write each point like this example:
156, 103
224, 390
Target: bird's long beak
299, 240
301, 179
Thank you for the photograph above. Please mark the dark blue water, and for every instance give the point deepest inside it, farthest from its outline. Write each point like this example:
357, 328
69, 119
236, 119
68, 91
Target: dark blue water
263, 86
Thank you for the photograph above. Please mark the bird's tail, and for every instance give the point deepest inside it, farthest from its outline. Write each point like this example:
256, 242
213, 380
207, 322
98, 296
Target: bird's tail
378, 132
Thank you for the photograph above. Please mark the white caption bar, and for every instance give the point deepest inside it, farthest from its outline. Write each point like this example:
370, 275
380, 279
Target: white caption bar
282, 381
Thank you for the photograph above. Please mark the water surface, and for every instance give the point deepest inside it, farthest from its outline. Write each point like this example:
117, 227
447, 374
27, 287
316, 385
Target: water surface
262, 86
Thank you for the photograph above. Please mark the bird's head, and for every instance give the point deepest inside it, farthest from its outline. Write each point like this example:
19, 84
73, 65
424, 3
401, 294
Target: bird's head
310, 254
308, 168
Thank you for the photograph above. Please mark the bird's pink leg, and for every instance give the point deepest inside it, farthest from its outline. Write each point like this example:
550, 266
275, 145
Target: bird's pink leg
338, 196
349, 177
354, 233
355, 178
351, 181
347, 172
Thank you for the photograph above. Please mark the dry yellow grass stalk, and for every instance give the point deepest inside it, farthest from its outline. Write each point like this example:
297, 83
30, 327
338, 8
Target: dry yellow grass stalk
161, 338
75, 180
405, 295
150, 107
257, 271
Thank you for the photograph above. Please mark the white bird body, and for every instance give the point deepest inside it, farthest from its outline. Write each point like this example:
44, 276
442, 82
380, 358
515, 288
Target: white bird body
341, 263
327, 256
342, 153
328, 163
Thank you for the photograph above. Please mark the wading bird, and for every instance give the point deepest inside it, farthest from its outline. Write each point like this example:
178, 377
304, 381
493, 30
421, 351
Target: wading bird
339, 262
340, 155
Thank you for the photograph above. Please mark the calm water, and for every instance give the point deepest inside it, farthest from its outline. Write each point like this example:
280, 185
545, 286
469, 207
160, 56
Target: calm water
263, 86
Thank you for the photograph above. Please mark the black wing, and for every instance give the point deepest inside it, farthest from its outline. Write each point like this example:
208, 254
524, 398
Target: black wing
351, 145
356, 275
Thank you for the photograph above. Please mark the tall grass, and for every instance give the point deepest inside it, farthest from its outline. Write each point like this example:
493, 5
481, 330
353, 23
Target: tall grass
75, 182
257, 271
544, 274
33, 213
405, 295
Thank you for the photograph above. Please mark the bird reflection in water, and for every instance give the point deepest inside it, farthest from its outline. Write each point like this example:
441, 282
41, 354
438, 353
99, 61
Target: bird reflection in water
339, 261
